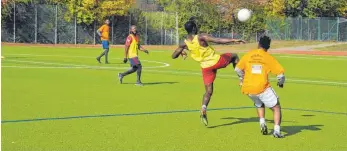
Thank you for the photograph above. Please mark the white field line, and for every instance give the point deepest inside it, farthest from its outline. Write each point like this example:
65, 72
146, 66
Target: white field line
73, 66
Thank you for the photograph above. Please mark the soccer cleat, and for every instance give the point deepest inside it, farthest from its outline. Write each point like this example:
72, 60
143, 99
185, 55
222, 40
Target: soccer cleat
263, 129
120, 77
139, 84
203, 117
277, 135
107, 62
98, 59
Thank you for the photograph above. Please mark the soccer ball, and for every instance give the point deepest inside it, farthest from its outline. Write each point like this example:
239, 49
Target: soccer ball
244, 14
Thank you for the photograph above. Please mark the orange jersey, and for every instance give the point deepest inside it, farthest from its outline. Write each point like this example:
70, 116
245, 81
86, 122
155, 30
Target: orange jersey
205, 55
256, 65
105, 32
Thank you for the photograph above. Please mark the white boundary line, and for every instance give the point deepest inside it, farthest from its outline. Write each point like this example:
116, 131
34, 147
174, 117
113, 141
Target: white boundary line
50, 63
295, 56
172, 72
318, 58
72, 66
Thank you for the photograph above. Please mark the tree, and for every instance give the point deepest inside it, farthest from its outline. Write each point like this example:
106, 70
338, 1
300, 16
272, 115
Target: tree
315, 8
89, 10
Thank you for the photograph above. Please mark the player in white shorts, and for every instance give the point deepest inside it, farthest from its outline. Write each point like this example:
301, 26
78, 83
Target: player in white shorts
253, 70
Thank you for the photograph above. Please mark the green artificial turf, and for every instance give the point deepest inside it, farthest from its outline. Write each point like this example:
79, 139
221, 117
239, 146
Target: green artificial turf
62, 99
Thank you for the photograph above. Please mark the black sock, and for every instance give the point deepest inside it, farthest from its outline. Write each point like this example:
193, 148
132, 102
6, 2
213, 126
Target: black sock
102, 54
106, 55
139, 71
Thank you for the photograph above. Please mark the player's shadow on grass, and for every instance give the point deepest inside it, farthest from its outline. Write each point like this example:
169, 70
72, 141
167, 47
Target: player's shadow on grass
154, 83
292, 130
289, 130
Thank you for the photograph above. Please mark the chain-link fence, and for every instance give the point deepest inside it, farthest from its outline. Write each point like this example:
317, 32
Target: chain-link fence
41, 23
324, 29
29, 23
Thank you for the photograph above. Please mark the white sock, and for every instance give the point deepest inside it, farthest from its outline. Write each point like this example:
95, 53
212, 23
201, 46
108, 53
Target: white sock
204, 107
262, 121
277, 128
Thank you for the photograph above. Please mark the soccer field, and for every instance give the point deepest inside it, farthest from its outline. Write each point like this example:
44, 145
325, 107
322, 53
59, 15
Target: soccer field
62, 99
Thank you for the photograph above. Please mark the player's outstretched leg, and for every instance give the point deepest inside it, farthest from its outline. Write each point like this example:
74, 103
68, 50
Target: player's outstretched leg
122, 75
139, 71
277, 120
205, 102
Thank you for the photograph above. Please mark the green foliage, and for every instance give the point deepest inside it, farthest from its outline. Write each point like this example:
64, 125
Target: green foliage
89, 10
316, 8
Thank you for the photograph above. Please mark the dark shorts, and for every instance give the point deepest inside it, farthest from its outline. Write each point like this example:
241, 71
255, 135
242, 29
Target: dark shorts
209, 74
134, 61
105, 44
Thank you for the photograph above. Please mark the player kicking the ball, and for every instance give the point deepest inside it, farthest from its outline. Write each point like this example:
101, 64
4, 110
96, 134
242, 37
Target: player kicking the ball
201, 51
253, 70
131, 53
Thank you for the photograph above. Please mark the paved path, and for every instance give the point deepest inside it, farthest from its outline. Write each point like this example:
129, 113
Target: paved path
309, 47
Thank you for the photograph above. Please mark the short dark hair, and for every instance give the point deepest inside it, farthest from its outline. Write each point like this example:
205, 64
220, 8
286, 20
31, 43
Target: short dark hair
190, 26
265, 42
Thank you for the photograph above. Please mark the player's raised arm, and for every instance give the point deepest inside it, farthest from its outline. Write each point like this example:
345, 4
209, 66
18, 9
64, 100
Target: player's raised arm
209, 38
178, 51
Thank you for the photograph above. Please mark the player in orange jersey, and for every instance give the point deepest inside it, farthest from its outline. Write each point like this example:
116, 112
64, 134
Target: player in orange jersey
104, 33
253, 70
201, 51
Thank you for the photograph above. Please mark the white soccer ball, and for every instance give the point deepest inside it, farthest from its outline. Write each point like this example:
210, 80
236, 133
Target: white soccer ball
244, 14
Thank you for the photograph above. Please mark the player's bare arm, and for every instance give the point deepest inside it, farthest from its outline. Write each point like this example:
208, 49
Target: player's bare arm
126, 52
143, 49
208, 38
98, 32
179, 51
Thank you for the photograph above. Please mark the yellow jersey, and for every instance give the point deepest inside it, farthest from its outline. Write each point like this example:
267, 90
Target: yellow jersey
256, 65
133, 46
205, 55
105, 32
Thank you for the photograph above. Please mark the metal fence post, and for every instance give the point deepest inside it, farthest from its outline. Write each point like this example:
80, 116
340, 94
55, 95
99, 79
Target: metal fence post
165, 37
94, 25
171, 37
319, 29
146, 36
112, 29
161, 29
301, 28
14, 21
232, 32
308, 29
35, 23
75, 29
338, 23
177, 36
56, 25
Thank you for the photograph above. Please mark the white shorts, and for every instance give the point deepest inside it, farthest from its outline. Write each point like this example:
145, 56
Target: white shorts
268, 98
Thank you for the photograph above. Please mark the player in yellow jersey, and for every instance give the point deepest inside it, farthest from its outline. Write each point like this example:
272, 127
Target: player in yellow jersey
104, 33
253, 70
201, 51
132, 46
